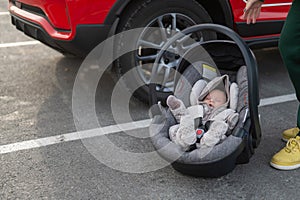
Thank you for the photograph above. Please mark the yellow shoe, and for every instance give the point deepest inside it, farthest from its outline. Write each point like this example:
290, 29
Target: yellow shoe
288, 158
290, 133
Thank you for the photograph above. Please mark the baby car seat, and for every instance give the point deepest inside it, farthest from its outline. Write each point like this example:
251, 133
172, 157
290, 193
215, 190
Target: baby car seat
205, 61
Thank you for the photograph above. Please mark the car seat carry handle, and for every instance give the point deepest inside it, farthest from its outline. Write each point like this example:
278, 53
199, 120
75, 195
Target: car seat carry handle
250, 61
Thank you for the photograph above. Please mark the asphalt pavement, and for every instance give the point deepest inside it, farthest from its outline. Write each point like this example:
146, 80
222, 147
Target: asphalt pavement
36, 85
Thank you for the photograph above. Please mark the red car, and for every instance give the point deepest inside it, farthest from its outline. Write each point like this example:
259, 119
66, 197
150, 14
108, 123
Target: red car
76, 27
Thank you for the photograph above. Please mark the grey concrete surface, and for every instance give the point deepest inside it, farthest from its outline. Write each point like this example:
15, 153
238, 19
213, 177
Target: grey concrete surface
36, 101
7, 29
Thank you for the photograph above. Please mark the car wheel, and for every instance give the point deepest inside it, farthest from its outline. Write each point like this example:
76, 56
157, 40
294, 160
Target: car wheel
171, 15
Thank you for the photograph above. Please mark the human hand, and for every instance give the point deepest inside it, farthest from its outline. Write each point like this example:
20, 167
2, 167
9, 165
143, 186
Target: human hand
252, 10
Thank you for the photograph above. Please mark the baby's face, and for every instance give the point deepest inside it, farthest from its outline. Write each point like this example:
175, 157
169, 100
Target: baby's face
215, 98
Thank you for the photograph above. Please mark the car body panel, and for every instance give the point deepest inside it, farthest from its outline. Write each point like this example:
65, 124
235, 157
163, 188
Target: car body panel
60, 19
272, 10
269, 23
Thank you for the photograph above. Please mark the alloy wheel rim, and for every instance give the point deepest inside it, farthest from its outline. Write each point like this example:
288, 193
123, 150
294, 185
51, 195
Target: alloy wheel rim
149, 43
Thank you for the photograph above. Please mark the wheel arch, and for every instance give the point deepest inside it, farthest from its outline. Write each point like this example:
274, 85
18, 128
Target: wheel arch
219, 10
116, 11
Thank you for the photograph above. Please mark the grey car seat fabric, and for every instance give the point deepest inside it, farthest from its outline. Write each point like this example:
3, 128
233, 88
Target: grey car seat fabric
160, 125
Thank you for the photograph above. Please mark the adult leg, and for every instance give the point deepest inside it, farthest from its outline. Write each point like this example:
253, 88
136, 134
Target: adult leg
289, 46
289, 157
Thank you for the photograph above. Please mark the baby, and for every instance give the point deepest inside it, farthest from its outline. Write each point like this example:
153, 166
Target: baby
212, 110
215, 98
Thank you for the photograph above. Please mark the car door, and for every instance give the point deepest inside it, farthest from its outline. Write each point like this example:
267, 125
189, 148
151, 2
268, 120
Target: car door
270, 22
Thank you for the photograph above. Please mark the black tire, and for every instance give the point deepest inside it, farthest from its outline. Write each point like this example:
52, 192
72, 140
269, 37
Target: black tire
144, 14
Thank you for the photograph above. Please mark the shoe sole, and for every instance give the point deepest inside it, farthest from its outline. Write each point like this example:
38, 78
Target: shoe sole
281, 167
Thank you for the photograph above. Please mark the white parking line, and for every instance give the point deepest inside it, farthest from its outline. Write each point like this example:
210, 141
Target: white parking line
278, 99
4, 13
41, 142
17, 44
